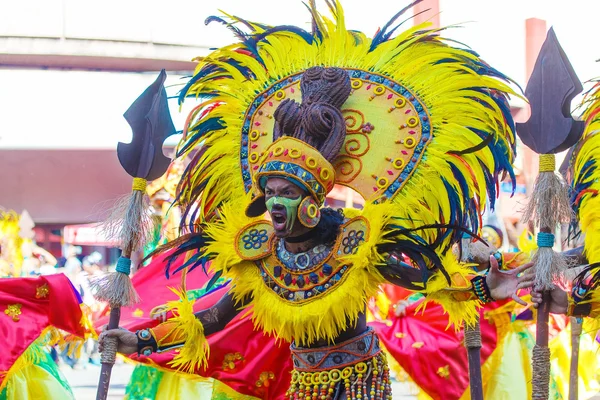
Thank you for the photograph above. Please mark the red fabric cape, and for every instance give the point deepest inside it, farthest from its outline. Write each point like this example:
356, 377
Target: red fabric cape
261, 353
57, 307
425, 349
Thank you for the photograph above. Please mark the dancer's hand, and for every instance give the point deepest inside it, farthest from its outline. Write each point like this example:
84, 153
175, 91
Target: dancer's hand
527, 279
503, 284
127, 340
559, 300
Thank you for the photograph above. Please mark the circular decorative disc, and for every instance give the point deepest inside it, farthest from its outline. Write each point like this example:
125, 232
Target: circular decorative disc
387, 127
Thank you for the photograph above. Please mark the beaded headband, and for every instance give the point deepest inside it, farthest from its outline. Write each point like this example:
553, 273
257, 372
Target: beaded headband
298, 162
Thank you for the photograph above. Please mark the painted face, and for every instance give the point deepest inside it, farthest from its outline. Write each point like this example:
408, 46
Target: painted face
282, 199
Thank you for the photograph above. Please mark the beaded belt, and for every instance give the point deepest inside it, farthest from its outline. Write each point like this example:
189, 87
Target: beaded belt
356, 368
351, 352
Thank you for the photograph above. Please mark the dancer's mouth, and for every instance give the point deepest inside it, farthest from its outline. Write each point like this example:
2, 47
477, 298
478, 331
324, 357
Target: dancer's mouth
279, 220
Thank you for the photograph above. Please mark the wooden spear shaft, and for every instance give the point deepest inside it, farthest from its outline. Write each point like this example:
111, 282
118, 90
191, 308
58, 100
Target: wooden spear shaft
541, 352
105, 372
473, 345
574, 371
541, 361
109, 354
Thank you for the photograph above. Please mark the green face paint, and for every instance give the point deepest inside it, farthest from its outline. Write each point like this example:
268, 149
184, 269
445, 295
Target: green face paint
291, 209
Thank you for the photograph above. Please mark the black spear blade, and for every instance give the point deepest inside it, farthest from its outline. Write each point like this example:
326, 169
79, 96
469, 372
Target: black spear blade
566, 167
151, 124
551, 87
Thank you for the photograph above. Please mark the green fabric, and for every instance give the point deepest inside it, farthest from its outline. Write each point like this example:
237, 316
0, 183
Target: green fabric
144, 383
50, 366
42, 359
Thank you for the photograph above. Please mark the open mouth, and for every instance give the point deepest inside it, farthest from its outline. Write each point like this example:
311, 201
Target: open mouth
279, 220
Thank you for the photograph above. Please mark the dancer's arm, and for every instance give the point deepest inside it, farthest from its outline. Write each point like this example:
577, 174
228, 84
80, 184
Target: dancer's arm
582, 301
497, 284
165, 336
218, 316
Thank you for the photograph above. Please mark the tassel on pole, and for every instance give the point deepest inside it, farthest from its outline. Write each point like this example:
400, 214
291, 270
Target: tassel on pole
549, 206
130, 225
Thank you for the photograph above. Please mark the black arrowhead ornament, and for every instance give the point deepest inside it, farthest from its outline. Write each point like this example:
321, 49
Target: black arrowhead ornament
565, 167
551, 87
151, 124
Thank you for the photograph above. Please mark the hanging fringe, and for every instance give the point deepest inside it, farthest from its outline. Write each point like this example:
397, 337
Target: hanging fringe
116, 288
550, 265
129, 223
549, 204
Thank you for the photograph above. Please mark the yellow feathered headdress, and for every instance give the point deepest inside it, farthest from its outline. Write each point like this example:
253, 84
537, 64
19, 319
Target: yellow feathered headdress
429, 132
428, 124
586, 176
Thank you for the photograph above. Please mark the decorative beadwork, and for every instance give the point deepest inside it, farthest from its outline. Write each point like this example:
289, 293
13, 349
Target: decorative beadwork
306, 261
255, 238
144, 334
254, 241
146, 343
365, 375
300, 285
351, 242
481, 289
353, 234
294, 170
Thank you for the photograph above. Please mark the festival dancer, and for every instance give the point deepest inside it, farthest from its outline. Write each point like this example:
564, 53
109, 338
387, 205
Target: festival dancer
583, 300
419, 128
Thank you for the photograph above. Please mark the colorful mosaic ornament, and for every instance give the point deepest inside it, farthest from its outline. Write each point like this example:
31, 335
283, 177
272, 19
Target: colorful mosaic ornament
308, 212
255, 240
302, 277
